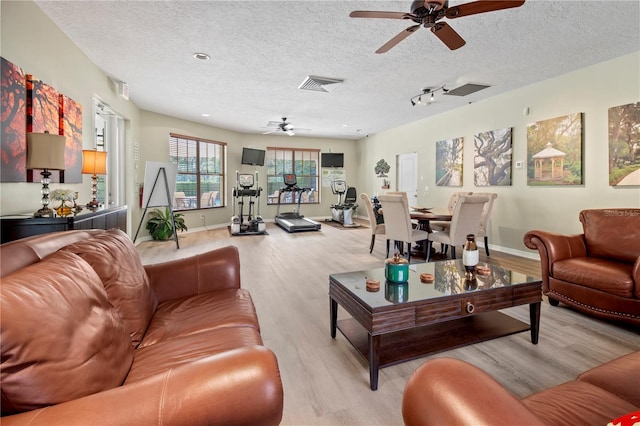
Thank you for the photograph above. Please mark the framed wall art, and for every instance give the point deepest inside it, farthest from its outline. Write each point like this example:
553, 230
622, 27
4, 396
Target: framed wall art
449, 162
554, 151
492, 157
13, 128
624, 145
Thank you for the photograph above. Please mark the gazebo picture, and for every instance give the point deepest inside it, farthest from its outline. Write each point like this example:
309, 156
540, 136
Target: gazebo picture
554, 151
449, 162
624, 145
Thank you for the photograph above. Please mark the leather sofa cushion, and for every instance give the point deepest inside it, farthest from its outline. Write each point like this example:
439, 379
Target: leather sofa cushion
195, 314
577, 403
606, 275
158, 358
114, 258
61, 337
612, 233
620, 377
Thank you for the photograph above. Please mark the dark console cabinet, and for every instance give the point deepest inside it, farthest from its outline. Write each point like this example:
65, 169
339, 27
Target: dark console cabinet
16, 226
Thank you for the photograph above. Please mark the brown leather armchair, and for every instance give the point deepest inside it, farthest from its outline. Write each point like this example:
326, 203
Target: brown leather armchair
596, 272
447, 391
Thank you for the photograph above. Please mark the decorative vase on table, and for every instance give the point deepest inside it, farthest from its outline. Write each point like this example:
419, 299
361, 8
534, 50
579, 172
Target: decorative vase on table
470, 257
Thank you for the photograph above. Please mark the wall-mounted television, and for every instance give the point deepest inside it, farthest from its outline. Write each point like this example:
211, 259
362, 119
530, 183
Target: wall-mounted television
331, 159
254, 157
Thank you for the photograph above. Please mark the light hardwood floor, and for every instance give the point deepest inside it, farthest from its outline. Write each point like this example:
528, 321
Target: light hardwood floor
326, 382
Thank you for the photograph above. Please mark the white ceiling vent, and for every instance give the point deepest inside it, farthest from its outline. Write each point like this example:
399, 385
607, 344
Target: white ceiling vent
320, 84
466, 89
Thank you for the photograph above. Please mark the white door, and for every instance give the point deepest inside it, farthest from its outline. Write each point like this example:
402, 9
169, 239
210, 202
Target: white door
408, 176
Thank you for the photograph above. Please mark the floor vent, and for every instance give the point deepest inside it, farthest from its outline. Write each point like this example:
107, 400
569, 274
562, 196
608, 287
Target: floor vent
466, 89
320, 84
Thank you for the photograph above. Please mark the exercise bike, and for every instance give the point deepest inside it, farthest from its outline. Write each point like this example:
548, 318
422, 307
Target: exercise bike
244, 188
342, 212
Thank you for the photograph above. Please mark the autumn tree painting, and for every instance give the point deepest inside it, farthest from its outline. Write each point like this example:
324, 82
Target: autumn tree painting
492, 158
449, 162
13, 96
624, 145
554, 151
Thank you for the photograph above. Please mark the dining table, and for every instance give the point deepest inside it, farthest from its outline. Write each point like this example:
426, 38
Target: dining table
424, 217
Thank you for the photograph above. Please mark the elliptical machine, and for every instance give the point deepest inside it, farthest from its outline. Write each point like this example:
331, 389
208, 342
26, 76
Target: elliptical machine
342, 212
244, 188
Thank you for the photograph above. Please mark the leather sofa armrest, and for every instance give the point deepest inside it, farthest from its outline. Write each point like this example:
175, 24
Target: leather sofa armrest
217, 269
636, 278
447, 391
242, 386
553, 247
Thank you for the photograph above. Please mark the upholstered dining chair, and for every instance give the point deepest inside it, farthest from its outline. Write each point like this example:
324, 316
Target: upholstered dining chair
397, 221
453, 200
376, 228
465, 220
486, 217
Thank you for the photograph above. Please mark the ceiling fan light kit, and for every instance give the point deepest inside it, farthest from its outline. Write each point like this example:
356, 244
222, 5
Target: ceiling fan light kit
428, 13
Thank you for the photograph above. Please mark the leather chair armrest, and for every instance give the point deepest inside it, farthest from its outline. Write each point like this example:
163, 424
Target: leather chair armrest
447, 391
217, 269
552, 247
242, 386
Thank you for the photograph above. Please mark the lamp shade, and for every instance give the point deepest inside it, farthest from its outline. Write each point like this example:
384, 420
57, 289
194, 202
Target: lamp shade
45, 151
94, 162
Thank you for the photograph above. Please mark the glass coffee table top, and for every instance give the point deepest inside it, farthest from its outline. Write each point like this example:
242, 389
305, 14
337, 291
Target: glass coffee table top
449, 280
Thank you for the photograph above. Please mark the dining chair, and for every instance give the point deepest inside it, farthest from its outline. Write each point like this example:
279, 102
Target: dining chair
465, 220
453, 200
397, 221
376, 228
486, 217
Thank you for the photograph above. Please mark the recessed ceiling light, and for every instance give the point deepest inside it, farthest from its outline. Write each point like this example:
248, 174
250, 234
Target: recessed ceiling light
201, 56
204, 114
345, 125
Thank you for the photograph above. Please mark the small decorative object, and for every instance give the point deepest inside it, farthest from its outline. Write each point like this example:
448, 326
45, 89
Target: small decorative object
396, 269
483, 270
373, 285
66, 198
470, 256
160, 225
76, 207
382, 168
427, 278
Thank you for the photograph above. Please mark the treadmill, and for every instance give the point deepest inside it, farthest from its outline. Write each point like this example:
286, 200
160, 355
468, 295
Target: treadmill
294, 221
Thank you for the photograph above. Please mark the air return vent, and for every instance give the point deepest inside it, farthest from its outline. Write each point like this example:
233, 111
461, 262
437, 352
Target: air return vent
466, 89
320, 84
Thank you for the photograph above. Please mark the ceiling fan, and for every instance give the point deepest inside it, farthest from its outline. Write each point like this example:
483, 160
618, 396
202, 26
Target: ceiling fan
427, 13
282, 127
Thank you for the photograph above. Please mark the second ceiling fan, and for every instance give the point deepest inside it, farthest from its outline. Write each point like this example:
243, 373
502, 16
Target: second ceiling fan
428, 13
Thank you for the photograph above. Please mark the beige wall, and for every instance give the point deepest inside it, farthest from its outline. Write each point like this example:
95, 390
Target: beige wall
31, 41
49, 55
519, 207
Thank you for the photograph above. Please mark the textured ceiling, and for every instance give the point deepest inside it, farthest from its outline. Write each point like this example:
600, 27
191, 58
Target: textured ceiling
261, 51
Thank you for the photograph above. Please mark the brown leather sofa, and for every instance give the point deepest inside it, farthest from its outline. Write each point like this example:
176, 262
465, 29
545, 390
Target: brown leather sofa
596, 272
91, 336
447, 391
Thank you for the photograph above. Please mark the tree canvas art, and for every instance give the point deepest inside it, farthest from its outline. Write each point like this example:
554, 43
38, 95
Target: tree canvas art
449, 162
624, 145
492, 158
554, 151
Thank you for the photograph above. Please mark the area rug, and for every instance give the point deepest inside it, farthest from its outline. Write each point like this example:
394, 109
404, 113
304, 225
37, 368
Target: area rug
341, 226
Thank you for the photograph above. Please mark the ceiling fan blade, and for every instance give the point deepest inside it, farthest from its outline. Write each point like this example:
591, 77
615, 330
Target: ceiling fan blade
448, 35
397, 39
383, 15
480, 7
269, 132
290, 132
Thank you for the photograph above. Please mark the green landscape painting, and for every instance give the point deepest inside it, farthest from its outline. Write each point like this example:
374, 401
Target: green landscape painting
624, 145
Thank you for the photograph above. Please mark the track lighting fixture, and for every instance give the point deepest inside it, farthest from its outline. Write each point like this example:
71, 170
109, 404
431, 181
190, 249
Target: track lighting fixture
417, 99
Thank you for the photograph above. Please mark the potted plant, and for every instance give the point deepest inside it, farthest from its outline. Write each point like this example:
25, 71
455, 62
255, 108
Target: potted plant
159, 224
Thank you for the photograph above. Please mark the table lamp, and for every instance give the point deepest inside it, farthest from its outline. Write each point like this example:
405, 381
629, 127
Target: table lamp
45, 151
94, 163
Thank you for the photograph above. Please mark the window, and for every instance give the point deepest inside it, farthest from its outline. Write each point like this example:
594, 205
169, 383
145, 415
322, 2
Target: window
200, 177
304, 163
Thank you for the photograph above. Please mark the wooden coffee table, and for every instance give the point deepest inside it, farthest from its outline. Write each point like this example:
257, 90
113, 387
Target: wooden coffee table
401, 322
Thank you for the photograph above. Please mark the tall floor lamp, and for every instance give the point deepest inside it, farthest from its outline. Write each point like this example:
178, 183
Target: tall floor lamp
45, 151
94, 163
